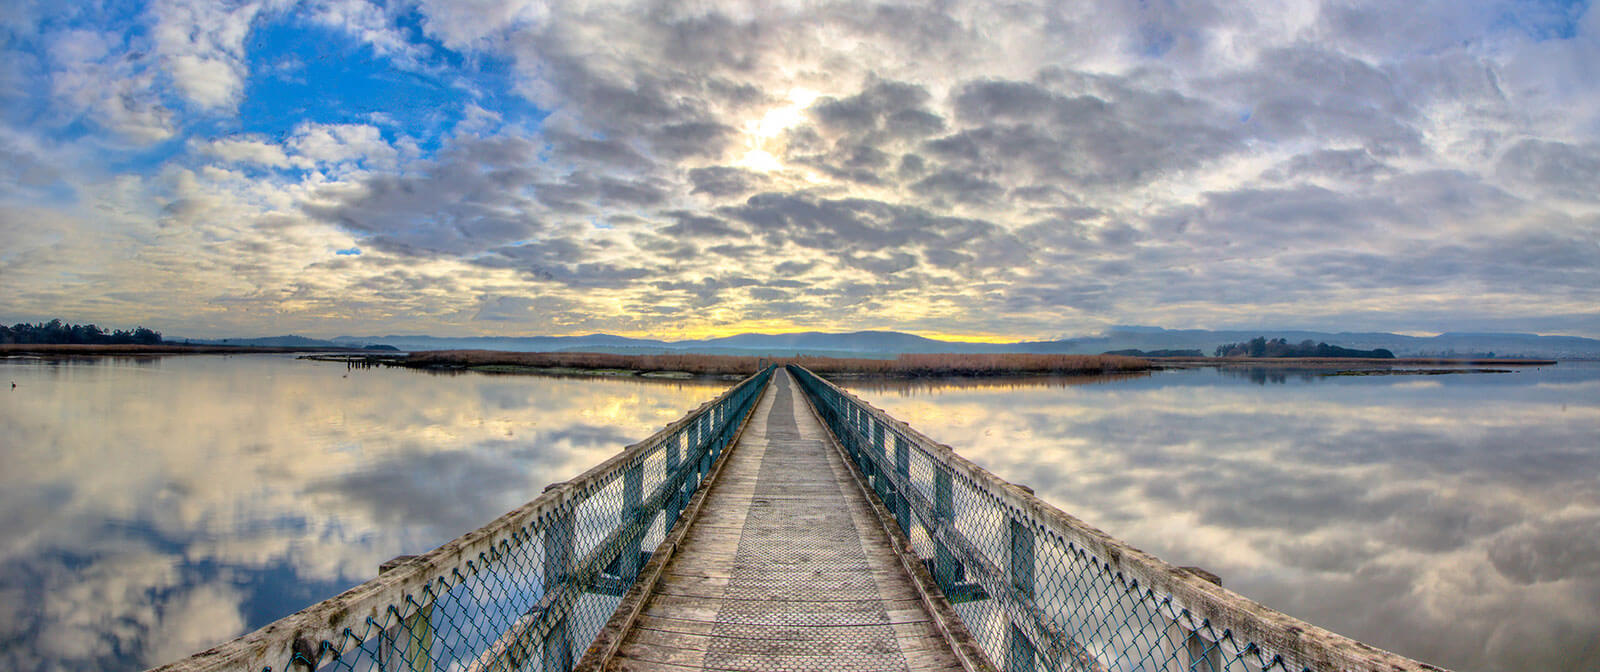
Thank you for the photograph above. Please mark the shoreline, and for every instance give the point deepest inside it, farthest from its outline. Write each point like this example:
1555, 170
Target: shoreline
719, 367
679, 367
1354, 362
107, 350
729, 367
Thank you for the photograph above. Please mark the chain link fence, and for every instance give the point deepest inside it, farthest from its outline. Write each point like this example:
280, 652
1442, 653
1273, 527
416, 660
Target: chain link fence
1042, 590
526, 592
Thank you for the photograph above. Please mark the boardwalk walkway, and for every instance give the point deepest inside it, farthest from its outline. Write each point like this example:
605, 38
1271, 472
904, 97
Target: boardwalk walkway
785, 568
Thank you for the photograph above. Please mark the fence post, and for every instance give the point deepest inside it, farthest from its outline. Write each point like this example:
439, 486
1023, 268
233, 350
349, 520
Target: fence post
714, 430
418, 651
419, 637
674, 502
1019, 651
868, 467
1022, 558
633, 520
944, 561
882, 457
902, 467
1205, 655
557, 572
1021, 564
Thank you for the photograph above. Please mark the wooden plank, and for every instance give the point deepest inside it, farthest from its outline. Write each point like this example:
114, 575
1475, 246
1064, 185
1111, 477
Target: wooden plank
902, 631
776, 590
815, 642
785, 567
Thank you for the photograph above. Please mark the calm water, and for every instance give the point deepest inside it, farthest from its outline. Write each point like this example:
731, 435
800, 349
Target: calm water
1452, 518
155, 507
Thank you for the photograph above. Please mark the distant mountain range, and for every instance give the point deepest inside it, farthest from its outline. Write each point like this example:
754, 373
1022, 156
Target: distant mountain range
890, 343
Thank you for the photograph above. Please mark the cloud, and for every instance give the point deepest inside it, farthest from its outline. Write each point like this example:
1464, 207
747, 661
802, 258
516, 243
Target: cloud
341, 143
246, 150
201, 47
1556, 169
1003, 164
93, 73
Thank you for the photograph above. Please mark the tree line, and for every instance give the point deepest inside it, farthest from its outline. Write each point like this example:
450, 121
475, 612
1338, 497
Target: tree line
1260, 346
56, 331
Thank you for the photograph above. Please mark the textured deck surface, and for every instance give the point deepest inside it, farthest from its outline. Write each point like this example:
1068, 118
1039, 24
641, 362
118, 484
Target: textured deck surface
785, 568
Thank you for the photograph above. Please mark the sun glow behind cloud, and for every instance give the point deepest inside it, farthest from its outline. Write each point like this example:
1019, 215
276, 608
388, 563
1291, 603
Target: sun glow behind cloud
763, 136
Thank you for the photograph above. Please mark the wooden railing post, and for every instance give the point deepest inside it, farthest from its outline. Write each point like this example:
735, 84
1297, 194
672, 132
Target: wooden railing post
902, 467
633, 516
674, 458
1019, 651
557, 572
419, 638
416, 649
944, 561
1022, 558
882, 456
1020, 565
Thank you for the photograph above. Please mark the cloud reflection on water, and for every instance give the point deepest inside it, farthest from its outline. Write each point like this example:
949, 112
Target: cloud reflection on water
157, 507
1452, 519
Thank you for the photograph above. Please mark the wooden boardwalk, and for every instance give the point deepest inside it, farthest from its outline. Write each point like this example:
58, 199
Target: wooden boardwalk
785, 567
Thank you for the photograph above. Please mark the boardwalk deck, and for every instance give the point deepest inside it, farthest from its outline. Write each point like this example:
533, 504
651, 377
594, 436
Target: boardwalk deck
785, 568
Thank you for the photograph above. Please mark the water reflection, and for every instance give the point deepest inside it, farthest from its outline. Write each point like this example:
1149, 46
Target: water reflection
1451, 518
156, 506
914, 386
1261, 375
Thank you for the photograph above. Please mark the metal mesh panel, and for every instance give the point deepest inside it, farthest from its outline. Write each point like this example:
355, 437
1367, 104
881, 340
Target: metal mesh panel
1032, 594
536, 595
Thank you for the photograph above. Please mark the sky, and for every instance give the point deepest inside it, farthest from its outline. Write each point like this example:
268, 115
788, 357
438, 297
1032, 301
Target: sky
980, 170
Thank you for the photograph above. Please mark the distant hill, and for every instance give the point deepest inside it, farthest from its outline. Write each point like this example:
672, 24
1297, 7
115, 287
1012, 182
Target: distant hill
855, 341
287, 341
889, 343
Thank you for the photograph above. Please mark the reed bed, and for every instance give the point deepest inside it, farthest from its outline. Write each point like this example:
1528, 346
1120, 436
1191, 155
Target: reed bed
910, 365
696, 364
917, 365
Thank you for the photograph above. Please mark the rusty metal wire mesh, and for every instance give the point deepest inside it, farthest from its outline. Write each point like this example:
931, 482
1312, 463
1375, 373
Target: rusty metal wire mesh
530, 592
1039, 590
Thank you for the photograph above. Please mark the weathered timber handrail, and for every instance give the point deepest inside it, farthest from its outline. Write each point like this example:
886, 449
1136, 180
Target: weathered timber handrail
541, 559
1054, 592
